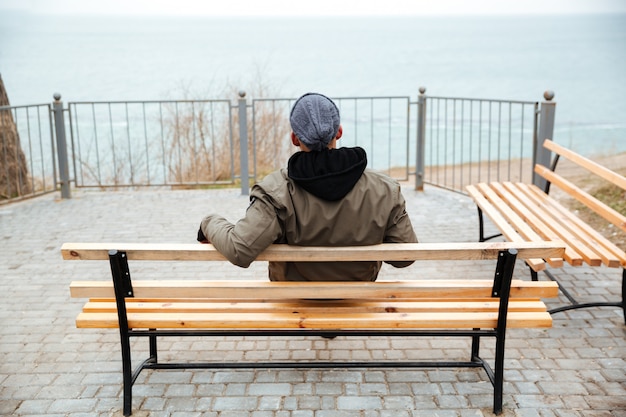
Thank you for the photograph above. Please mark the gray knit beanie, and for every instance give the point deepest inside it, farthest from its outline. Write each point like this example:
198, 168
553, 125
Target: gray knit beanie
315, 120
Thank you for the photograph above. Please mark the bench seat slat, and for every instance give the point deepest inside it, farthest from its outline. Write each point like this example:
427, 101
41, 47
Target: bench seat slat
157, 305
610, 254
301, 301
509, 214
515, 220
526, 211
537, 264
309, 290
542, 222
526, 206
430, 320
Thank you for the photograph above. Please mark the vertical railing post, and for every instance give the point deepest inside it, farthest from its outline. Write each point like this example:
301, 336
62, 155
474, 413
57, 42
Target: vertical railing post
59, 123
545, 131
243, 143
421, 138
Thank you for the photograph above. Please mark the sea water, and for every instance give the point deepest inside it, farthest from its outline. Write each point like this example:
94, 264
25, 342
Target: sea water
582, 58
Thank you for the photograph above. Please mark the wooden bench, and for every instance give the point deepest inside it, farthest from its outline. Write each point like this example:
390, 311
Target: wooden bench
526, 213
447, 306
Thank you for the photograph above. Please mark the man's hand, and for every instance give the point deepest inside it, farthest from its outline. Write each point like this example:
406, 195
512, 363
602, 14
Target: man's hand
201, 237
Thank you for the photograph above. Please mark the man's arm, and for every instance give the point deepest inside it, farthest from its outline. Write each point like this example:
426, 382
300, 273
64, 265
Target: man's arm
242, 242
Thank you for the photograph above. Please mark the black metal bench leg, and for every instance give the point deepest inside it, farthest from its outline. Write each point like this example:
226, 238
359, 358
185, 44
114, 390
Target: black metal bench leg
127, 373
624, 293
498, 383
533, 274
123, 288
481, 228
153, 349
475, 348
501, 289
497, 377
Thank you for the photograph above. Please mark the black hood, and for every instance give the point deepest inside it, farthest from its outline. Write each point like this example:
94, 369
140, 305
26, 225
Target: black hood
330, 173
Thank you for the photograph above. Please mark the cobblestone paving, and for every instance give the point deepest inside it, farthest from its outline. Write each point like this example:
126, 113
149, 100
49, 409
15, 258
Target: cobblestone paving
50, 368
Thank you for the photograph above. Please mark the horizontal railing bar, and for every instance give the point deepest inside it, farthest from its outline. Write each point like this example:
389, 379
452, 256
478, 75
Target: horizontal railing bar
159, 184
24, 106
149, 101
339, 98
487, 100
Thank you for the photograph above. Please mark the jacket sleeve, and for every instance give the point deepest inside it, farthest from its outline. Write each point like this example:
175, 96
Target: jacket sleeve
399, 227
243, 241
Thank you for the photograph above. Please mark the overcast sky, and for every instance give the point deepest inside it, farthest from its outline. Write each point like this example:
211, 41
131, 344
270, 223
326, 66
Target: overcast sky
314, 7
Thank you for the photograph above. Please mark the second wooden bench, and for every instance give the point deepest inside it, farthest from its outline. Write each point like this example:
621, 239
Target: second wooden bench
525, 213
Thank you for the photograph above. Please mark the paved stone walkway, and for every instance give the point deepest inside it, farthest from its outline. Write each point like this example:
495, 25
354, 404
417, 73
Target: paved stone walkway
50, 368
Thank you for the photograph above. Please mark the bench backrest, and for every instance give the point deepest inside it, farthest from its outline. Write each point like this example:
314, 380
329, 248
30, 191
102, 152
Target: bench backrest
118, 254
582, 196
443, 302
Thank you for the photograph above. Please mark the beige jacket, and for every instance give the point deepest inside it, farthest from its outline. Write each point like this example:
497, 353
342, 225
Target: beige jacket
372, 212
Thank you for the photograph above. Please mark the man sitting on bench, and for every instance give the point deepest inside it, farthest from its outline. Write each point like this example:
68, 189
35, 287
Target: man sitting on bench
325, 197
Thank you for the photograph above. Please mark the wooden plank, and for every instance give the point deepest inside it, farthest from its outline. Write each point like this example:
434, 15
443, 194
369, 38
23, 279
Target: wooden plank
605, 249
509, 214
536, 264
517, 222
492, 212
580, 223
261, 321
585, 198
461, 305
314, 290
576, 251
382, 252
588, 164
315, 302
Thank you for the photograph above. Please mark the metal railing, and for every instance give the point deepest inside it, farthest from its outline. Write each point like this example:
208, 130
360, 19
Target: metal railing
478, 140
27, 152
461, 141
195, 142
151, 143
452, 141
